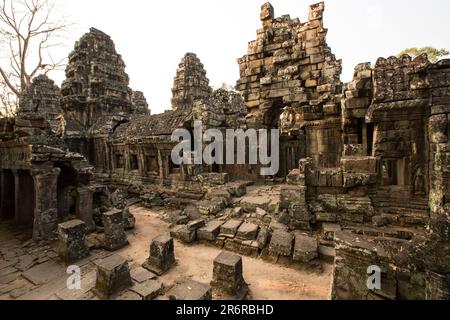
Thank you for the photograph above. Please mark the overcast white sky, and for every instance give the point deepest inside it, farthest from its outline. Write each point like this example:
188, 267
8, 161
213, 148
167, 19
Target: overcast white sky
152, 36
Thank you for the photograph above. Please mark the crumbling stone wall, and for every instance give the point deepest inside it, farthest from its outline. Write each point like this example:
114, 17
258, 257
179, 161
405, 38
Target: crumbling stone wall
290, 79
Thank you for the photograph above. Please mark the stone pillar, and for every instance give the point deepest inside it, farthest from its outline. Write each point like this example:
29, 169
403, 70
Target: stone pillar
84, 206
113, 276
115, 236
46, 208
161, 257
228, 280
7, 193
72, 241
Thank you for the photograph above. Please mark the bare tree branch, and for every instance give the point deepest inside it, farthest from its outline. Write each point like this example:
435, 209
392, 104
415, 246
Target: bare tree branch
27, 32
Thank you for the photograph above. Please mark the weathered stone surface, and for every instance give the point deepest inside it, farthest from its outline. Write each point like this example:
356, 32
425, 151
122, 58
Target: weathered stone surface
247, 231
141, 275
227, 276
72, 241
230, 228
113, 276
183, 234
162, 256
115, 236
210, 231
305, 248
190, 290
281, 243
196, 224
148, 290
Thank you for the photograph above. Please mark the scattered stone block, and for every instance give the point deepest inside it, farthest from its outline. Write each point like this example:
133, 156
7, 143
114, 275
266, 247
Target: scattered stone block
261, 213
229, 229
275, 225
72, 241
140, 275
263, 237
210, 231
281, 243
129, 219
113, 276
115, 237
328, 253
183, 234
329, 229
196, 224
190, 290
162, 256
237, 212
305, 249
228, 280
325, 217
247, 231
148, 290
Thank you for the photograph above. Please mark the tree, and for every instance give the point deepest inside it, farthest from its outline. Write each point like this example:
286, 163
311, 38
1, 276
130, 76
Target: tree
433, 54
27, 31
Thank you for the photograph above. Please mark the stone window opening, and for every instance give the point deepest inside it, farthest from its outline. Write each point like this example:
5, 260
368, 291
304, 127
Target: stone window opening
360, 128
119, 161
370, 132
173, 168
389, 172
151, 164
134, 162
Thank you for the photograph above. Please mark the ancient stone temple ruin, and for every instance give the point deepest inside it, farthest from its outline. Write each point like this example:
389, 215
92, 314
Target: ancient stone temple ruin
364, 179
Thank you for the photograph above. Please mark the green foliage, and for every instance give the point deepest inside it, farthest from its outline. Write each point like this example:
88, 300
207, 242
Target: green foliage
433, 54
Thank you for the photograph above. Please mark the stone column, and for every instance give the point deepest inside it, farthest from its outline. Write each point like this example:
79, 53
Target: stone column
16, 196
6, 195
84, 206
228, 280
115, 236
46, 208
161, 257
72, 241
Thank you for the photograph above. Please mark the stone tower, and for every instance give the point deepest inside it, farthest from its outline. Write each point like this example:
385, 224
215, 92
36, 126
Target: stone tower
290, 80
190, 83
40, 108
96, 82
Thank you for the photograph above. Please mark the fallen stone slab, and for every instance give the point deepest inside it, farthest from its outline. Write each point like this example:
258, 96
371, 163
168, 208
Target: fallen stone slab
43, 273
210, 231
281, 243
230, 228
190, 290
140, 275
247, 231
183, 234
275, 225
328, 231
196, 224
263, 237
26, 262
305, 249
148, 290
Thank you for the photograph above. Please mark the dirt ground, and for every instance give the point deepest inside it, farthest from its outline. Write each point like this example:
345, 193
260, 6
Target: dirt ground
36, 273
266, 280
